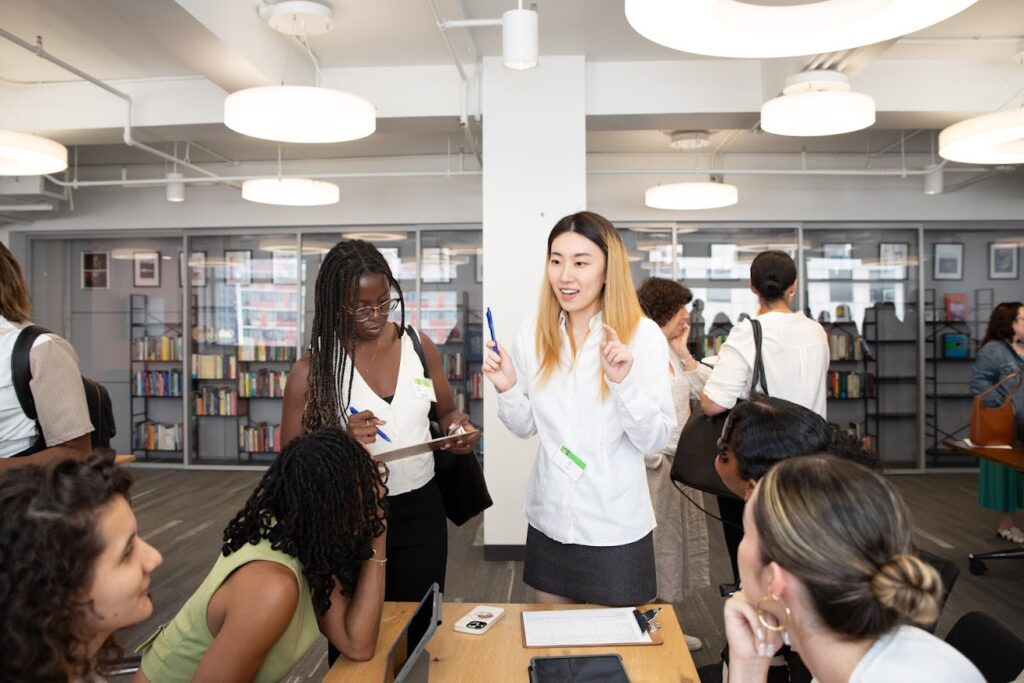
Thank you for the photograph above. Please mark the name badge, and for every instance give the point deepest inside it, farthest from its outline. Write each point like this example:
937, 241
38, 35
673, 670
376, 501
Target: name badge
424, 388
570, 463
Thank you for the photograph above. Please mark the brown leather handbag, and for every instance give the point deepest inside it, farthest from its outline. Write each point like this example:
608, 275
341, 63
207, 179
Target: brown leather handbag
994, 426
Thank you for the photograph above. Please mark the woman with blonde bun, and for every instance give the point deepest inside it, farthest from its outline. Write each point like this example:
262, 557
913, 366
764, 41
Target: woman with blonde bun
827, 568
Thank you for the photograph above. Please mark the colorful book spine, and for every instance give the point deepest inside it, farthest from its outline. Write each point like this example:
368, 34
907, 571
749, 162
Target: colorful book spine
163, 348
262, 383
156, 382
259, 438
214, 366
216, 401
153, 436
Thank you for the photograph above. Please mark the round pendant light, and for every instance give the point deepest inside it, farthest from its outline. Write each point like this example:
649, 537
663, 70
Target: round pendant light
26, 154
734, 28
298, 113
689, 196
996, 138
817, 103
290, 191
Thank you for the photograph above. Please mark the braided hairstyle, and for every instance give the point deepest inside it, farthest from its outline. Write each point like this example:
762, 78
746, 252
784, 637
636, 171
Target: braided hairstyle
332, 342
322, 501
49, 545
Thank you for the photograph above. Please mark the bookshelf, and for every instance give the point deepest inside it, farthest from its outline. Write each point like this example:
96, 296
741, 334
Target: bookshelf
155, 383
890, 357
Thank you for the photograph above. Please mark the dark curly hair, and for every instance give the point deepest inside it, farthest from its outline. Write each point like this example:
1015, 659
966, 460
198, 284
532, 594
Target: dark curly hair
49, 545
332, 340
661, 299
763, 431
322, 501
1000, 323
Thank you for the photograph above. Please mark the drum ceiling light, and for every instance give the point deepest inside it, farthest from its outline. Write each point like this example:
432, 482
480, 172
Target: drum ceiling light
27, 154
996, 138
817, 103
734, 28
298, 113
691, 195
290, 192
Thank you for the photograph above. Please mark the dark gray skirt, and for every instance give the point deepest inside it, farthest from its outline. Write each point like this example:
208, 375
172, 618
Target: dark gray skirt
617, 575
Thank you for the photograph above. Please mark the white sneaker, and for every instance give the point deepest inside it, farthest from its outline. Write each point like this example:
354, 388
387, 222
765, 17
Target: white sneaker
693, 643
1013, 534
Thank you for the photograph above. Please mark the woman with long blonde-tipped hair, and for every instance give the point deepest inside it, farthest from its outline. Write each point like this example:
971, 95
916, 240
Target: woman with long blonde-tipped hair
587, 375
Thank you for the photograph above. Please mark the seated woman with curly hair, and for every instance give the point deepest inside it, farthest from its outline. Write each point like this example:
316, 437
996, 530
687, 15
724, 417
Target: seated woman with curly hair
72, 569
305, 556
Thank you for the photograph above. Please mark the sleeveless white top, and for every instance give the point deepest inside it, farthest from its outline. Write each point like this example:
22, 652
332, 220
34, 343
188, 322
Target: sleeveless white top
407, 421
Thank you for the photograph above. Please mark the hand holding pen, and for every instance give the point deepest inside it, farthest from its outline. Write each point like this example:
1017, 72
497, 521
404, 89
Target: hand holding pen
364, 426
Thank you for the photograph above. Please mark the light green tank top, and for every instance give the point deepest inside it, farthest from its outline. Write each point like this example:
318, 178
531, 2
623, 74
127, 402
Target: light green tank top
173, 653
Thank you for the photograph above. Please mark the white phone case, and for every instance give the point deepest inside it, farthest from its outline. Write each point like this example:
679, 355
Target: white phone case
479, 619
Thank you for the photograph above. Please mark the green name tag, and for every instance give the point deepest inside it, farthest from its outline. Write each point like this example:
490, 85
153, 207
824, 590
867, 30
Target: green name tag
573, 457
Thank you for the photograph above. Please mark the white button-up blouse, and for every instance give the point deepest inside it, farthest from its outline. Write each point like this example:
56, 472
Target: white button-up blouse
608, 503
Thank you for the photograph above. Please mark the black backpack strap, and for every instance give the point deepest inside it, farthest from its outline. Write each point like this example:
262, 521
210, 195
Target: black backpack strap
21, 368
759, 377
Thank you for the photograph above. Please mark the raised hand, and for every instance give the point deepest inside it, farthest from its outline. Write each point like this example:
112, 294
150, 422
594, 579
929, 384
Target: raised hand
751, 646
616, 358
499, 369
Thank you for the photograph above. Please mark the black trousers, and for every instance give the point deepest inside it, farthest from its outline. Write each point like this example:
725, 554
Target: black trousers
417, 550
731, 512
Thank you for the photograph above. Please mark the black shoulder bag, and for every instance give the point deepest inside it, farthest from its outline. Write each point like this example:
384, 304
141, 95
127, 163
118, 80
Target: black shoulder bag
101, 412
460, 477
694, 463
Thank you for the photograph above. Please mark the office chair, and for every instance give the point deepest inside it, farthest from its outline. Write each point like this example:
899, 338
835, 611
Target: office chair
990, 646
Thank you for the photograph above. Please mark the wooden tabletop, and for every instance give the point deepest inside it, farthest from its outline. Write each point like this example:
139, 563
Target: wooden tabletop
499, 655
1011, 457
123, 458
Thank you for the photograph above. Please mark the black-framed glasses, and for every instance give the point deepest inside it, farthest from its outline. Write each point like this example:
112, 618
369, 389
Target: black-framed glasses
361, 315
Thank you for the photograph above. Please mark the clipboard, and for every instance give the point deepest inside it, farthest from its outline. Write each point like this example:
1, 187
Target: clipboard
416, 449
580, 616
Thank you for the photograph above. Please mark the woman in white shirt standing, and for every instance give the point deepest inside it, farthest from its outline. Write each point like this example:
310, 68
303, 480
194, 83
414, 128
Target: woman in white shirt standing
587, 375
794, 348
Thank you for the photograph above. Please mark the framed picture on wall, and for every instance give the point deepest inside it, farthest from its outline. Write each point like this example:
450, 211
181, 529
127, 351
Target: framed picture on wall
196, 268
892, 260
147, 268
839, 259
1002, 261
238, 267
285, 268
95, 270
948, 259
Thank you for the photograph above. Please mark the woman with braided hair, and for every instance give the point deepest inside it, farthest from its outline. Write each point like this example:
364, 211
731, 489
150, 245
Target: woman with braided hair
304, 557
358, 361
827, 567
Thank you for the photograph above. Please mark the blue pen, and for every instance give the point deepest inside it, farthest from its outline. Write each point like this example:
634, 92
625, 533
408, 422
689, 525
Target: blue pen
490, 326
381, 434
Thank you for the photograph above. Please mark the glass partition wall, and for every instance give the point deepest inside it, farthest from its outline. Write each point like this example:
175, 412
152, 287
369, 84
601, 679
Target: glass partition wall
195, 351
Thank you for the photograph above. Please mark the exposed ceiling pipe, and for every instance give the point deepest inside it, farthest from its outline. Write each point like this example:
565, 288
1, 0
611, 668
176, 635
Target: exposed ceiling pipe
895, 143
966, 182
27, 207
153, 182
463, 118
879, 172
38, 50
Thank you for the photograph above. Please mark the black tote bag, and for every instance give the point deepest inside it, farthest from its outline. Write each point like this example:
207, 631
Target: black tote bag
459, 477
694, 463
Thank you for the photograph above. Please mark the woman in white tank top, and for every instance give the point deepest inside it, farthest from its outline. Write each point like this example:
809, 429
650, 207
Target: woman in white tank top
363, 373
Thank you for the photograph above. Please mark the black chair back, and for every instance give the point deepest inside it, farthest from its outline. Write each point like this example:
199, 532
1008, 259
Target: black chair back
998, 653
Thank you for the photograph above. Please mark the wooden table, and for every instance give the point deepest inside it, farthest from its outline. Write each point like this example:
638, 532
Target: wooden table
499, 654
123, 458
1010, 457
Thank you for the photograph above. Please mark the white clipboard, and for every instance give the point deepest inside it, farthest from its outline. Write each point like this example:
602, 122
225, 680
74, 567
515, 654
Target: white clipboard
417, 449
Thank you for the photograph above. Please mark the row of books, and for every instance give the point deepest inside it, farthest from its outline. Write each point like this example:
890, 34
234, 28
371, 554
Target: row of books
850, 384
475, 386
264, 352
262, 384
216, 401
214, 366
153, 436
157, 348
454, 365
156, 382
845, 346
259, 438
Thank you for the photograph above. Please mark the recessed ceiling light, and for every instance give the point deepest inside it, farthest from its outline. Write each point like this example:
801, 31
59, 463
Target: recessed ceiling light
733, 28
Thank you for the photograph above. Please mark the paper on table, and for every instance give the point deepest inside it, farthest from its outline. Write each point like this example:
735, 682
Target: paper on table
608, 626
971, 445
416, 449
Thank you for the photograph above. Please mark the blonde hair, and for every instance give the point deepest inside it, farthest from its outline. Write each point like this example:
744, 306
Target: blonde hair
619, 304
844, 532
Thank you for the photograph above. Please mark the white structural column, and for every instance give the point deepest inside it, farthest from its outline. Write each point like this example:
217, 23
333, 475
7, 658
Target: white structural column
534, 153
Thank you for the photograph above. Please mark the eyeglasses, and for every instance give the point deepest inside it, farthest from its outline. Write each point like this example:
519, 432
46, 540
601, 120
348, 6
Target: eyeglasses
361, 315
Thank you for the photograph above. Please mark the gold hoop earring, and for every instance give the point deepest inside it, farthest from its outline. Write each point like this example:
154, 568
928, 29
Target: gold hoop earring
761, 613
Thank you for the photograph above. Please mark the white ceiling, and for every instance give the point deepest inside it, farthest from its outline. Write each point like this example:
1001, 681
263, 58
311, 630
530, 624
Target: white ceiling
116, 40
